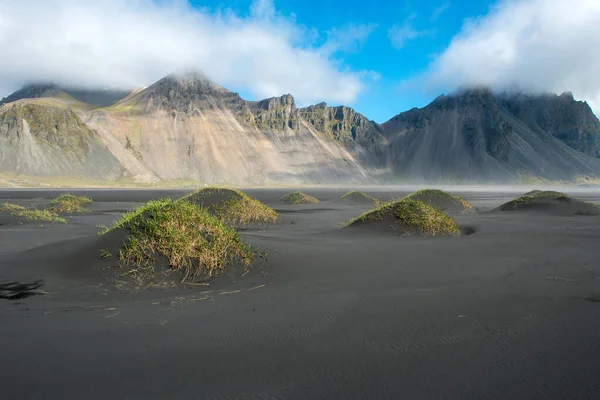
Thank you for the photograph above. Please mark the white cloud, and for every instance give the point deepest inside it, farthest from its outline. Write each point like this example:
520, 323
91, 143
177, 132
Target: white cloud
350, 38
438, 11
400, 34
126, 43
534, 45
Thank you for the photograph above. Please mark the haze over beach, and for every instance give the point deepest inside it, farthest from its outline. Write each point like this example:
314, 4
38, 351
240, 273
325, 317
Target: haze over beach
298, 199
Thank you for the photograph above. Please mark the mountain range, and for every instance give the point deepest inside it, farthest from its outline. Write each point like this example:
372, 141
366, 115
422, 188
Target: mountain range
186, 127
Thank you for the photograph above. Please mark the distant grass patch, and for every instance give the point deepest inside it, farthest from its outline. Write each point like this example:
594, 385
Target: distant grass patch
31, 215
233, 206
299, 198
358, 195
191, 239
413, 215
70, 204
531, 197
440, 197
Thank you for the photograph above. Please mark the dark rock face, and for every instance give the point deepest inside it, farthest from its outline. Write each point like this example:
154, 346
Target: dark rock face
477, 136
187, 93
570, 121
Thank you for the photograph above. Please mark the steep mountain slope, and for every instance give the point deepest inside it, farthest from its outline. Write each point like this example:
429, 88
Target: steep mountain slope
45, 137
350, 128
187, 127
475, 136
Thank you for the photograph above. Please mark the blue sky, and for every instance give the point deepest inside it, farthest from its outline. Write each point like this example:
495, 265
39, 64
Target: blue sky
433, 24
379, 57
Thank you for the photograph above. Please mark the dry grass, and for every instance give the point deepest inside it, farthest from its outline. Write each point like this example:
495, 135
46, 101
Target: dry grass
414, 215
31, 215
192, 240
236, 207
70, 204
299, 198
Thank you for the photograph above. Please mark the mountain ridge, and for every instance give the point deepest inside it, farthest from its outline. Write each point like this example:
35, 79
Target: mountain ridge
185, 126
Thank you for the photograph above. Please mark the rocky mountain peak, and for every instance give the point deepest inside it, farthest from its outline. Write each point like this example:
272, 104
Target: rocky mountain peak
345, 125
275, 113
192, 80
187, 92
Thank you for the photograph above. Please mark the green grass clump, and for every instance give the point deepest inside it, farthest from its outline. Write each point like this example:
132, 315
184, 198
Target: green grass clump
233, 207
414, 215
359, 194
191, 239
441, 196
299, 198
69, 204
11, 208
31, 215
42, 215
531, 197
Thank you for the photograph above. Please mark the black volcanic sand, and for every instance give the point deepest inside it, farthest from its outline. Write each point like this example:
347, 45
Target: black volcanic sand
511, 311
554, 204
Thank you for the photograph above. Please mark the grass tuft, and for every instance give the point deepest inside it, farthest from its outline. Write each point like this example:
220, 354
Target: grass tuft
70, 204
299, 198
191, 239
358, 194
413, 215
32, 215
233, 206
11, 208
440, 196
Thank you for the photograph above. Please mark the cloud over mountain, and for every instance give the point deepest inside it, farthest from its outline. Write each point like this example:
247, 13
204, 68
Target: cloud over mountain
536, 45
127, 43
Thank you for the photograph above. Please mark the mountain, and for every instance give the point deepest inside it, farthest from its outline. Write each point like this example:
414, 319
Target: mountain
479, 137
45, 137
186, 127
85, 97
573, 122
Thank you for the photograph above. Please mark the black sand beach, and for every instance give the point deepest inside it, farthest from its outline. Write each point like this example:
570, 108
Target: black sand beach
509, 311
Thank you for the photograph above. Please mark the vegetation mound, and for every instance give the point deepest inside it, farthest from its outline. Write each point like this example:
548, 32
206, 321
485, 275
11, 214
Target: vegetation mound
70, 204
442, 201
299, 198
233, 206
409, 216
31, 215
358, 197
550, 202
188, 238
